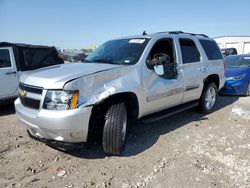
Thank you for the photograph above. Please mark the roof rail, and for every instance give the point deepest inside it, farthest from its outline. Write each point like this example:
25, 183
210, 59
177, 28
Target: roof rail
197, 34
175, 32
170, 32
181, 32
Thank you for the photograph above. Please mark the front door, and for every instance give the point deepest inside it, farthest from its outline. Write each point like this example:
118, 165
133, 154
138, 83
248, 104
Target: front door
8, 73
161, 93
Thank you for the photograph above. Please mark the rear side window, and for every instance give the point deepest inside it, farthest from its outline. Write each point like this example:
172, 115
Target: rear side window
211, 49
4, 58
189, 51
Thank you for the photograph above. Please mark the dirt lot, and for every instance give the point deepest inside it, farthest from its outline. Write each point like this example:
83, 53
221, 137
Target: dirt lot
185, 150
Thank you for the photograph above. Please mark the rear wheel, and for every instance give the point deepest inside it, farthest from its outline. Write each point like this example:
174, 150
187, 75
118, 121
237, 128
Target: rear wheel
208, 98
115, 127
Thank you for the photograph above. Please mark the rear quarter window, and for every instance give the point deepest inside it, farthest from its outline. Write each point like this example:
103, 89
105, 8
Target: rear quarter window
4, 58
211, 49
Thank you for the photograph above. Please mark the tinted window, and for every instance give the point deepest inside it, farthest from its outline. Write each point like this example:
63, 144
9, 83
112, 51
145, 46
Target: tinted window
164, 46
238, 61
33, 58
122, 51
211, 49
189, 51
5, 58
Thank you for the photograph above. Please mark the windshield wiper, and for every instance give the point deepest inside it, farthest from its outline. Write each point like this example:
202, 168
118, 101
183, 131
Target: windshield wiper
105, 60
85, 60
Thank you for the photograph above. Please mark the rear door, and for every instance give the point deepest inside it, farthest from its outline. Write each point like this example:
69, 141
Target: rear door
193, 69
8, 73
213, 59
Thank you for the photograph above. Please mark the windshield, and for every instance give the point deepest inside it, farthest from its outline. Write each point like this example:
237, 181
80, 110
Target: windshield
238, 61
122, 51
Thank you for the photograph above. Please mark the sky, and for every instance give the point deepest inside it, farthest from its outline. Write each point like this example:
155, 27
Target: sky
77, 24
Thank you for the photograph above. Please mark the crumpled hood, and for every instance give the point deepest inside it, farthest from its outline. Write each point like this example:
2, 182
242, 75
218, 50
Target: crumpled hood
55, 77
230, 72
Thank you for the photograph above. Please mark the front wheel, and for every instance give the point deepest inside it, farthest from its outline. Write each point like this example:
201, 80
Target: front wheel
114, 131
208, 98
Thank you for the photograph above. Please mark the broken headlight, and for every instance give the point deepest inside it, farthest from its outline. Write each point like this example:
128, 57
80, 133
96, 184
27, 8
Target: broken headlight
61, 100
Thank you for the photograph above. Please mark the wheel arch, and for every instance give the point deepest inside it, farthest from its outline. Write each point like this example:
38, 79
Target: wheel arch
212, 78
129, 98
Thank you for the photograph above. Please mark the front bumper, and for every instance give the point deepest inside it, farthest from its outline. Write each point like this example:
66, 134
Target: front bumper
232, 87
65, 126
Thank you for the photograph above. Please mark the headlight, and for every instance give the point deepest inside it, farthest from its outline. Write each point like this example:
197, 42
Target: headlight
236, 77
61, 100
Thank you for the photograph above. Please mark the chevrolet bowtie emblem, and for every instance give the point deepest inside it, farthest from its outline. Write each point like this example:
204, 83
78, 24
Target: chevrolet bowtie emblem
22, 93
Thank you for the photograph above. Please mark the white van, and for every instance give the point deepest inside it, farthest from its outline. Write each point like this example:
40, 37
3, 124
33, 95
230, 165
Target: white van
16, 58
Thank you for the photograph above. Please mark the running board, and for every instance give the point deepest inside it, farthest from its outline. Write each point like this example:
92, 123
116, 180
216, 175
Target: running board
168, 112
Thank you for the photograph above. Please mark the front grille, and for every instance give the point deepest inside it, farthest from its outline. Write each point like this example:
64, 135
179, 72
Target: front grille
31, 103
30, 89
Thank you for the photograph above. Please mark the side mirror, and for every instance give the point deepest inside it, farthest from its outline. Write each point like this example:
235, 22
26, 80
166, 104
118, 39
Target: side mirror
150, 64
155, 64
162, 66
158, 59
159, 70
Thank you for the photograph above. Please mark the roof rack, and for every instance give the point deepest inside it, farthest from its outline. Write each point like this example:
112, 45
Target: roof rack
181, 32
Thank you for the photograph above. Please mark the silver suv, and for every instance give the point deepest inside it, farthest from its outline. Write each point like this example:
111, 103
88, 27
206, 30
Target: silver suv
145, 78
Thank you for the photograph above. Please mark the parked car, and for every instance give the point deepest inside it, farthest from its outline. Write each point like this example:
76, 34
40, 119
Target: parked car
237, 75
143, 78
229, 51
18, 58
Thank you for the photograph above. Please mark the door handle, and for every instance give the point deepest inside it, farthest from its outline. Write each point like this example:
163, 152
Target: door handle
202, 69
10, 72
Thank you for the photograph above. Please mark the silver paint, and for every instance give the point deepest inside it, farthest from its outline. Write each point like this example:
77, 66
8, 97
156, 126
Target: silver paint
96, 82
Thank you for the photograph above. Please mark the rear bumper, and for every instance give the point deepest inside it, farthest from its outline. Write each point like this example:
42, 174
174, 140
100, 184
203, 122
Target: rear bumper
65, 126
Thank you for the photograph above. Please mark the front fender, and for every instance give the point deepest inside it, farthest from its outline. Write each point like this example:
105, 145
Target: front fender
95, 88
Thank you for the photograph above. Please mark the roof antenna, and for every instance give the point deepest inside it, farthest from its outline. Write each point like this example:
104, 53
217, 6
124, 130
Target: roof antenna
144, 33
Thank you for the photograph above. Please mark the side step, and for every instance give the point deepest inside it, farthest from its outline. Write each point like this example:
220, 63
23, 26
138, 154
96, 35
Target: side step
168, 112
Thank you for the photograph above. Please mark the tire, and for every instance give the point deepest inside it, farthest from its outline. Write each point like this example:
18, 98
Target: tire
114, 131
208, 98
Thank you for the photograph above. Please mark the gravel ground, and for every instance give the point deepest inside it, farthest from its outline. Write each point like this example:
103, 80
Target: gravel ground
185, 150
